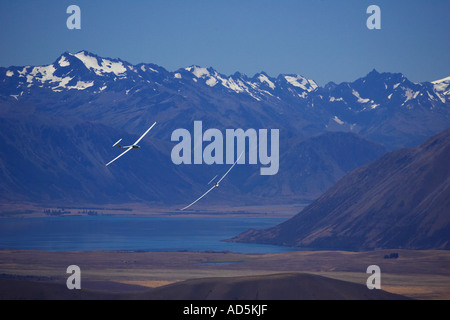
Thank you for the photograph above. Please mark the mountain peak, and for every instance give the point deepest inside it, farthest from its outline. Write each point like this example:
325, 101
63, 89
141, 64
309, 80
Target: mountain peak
200, 72
86, 52
373, 72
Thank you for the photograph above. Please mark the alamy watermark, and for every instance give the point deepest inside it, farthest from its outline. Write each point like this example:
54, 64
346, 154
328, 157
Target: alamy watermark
74, 280
374, 280
74, 20
189, 150
374, 20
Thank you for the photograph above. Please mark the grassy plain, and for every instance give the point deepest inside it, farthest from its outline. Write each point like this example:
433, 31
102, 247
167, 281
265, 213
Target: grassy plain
415, 274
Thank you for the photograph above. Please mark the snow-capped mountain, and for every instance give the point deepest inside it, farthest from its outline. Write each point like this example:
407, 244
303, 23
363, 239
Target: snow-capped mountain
258, 87
386, 89
84, 70
385, 107
79, 71
442, 86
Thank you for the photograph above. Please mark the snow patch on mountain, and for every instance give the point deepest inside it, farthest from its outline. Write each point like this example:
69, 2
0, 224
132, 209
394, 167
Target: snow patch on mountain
410, 95
43, 74
442, 87
313, 84
337, 120
295, 83
198, 71
263, 78
232, 85
81, 85
143, 68
360, 100
211, 82
107, 66
301, 82
447, 79
63, 62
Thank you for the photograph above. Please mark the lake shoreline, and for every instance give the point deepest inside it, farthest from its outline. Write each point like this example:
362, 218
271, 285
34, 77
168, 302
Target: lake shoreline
33, 210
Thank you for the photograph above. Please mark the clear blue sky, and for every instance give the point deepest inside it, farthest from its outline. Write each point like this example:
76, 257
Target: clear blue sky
324, 40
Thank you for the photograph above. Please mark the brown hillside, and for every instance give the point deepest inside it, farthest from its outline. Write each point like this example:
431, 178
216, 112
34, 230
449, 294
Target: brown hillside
401, 200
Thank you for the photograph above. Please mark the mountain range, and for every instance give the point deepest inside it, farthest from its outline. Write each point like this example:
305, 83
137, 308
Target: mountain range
60, 120
384, 107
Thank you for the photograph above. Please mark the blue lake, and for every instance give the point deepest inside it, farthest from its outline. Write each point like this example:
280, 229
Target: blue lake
80, 233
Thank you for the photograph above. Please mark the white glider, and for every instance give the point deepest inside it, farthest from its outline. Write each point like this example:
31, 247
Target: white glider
216, 185
128, 148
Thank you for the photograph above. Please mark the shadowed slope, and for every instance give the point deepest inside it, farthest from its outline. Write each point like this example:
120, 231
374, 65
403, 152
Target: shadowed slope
285, 286
268, 287
398, 201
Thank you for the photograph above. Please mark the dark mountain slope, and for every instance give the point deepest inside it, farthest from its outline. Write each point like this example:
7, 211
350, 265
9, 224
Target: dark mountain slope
52, 160
309, 167
401, 200
267, 287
